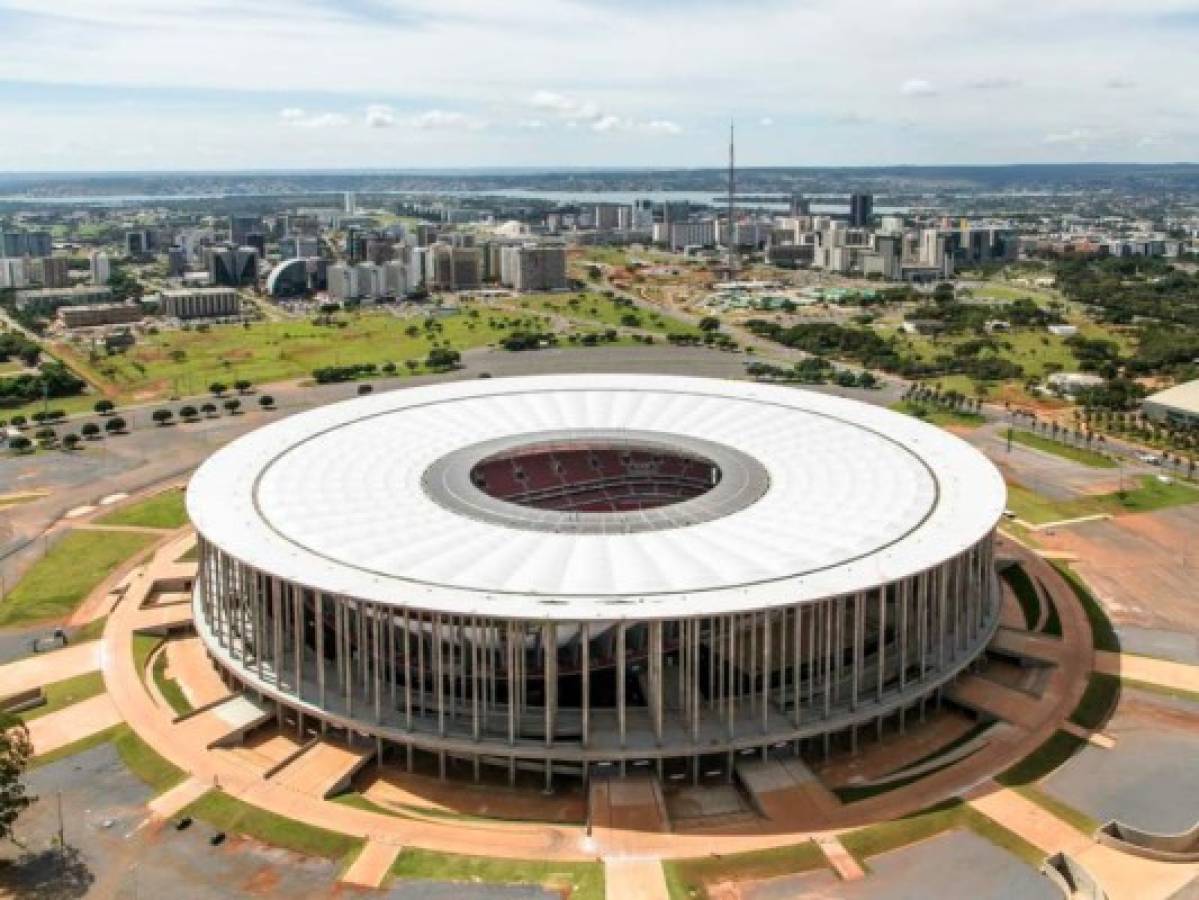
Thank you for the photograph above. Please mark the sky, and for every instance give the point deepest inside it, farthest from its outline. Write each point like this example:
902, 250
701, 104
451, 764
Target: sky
99, 85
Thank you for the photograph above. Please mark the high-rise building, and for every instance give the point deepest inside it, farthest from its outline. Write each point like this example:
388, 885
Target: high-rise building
395, 279
351, 203
233, 266
293, 246
242, 226
342, 282
26, 243
176, 262
534, 267
52, 271
861, 208
137, 243
14, 272
257, 240
800, 205
200, 303
100, 268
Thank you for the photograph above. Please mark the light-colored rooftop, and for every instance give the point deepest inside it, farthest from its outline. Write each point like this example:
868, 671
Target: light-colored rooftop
1183, 396
337, 499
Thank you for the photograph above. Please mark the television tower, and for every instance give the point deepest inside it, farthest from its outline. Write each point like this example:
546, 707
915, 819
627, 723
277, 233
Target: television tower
731, 262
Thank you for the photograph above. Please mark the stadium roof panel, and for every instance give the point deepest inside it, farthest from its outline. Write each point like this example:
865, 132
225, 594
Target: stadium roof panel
338, 499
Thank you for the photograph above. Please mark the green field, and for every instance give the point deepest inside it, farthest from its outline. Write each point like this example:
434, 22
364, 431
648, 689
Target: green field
1066, 451
59, 581
583, 881
1145, 494
600, 310
169, 687
165, 510
186, 362
230, 814
686, 878
936, 415
69, 691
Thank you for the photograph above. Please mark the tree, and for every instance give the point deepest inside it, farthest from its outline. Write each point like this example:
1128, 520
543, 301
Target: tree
266, 401
209, 409
242, 385
20, 443
46, 435
18, 421
115, 425
364, 389
104, 407
70, 441
709, 323
188, 413
90, 430
218, 388
232, 405
15, 752
162, 416
442, 359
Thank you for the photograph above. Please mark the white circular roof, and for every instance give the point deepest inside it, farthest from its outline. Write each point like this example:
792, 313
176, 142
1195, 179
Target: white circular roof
336, 499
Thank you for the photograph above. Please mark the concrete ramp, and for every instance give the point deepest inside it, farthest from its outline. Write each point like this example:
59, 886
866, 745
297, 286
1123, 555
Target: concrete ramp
1026, 646
225, 723
785, 790
634, 803
323, 769
996, 700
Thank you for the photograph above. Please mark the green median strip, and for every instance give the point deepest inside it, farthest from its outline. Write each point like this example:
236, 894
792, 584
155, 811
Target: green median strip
1103, 634
1083, 455
578, 880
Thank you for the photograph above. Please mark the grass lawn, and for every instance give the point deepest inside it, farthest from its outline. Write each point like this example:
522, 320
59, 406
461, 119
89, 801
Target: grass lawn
1051, 754
143, 646
597, 309
92, 631
144, 762
57, 583
938, 416
887, 836
165, 510
1026, 594
584, 880
69, 691
227, 813
1163, 690
1098, 701
186, 362
169, 687
1147, 495
1103, 634
686, 878
1066, 451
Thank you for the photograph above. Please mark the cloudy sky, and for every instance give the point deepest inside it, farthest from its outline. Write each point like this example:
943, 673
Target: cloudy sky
217, 84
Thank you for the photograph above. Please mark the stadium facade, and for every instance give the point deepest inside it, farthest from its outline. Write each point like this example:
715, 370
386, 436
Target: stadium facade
556, 573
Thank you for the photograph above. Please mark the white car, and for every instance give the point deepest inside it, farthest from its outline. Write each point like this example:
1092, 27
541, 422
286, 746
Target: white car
1149, 458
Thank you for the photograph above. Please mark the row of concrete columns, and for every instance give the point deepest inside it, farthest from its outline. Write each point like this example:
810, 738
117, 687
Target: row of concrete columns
433, 679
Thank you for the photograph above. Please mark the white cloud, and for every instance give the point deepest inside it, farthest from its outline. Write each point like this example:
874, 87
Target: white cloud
766, 121
531, 124
565, 107
917, 87
661, 126
1077, 136
609, 123
444, 120
379, 115
300, 118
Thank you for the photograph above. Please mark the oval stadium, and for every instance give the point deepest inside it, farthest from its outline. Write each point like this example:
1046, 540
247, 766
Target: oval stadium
554, 574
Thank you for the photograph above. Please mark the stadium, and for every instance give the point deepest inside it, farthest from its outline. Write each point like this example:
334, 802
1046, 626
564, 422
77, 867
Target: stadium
554, 574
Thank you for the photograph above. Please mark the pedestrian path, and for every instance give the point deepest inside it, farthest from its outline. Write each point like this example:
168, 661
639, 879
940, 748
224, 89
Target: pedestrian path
74, 723
42, 669
370, 867
634, 878
1162, 672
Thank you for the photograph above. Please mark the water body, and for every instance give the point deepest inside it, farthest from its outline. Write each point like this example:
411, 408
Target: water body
561, 198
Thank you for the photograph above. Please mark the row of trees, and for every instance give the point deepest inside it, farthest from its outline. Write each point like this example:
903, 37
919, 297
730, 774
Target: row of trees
48, 437
189, 413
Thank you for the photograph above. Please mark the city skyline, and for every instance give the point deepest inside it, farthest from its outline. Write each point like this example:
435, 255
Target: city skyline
133, 85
